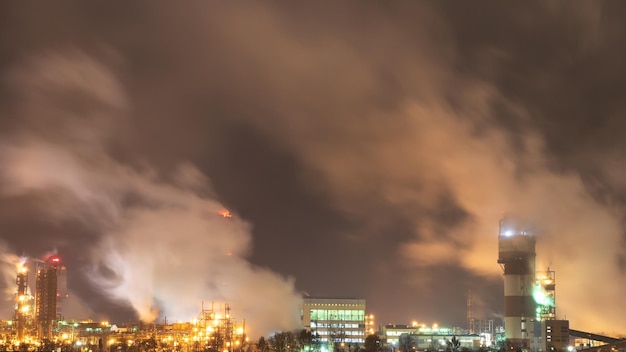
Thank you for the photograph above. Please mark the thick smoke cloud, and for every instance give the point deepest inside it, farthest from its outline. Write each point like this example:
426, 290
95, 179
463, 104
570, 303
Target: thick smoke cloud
407, 130
164, 248
444, 139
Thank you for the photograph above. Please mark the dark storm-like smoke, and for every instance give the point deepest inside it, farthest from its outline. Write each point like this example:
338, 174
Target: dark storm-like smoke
443, 136
440, 117
163, 246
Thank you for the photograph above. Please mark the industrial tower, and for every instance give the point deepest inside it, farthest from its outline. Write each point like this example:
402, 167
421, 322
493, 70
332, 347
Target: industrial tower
544, 295
516, 255
46, 296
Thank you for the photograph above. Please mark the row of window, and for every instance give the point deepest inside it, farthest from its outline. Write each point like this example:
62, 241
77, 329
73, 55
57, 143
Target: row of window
341, 334
334, 326
350, 340
337, 314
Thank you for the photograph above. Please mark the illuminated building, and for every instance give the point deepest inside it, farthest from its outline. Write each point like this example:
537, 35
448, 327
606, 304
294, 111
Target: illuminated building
516, 255
428, 339
392, 332
552, 335
339, 322
46, 296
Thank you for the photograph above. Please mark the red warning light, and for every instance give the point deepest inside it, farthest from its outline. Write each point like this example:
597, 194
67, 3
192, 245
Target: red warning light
55, 259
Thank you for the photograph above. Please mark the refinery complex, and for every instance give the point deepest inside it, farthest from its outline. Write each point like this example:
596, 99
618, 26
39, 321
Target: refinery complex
529, 322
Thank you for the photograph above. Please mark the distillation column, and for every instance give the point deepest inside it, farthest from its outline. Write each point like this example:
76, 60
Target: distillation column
22, 301
516, 254
46, 297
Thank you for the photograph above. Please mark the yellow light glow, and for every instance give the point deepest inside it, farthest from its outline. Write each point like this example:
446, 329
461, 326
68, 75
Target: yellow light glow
225, 213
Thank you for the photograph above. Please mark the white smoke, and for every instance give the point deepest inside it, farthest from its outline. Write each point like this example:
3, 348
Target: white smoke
9, 264
164, 248
445, 139
461, 153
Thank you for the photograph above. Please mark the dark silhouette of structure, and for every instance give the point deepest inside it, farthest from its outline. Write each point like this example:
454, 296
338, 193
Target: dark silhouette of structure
46, 297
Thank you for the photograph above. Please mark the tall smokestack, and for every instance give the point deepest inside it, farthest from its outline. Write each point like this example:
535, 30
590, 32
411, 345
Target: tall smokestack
516, 255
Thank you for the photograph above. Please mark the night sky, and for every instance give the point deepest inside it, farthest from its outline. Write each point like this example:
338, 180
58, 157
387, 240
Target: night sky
365, 150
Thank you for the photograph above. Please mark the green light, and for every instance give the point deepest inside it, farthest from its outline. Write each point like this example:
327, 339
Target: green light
541, 298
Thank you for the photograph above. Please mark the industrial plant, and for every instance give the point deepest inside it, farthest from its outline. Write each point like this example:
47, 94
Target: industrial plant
35, 315
530, 321
38, 323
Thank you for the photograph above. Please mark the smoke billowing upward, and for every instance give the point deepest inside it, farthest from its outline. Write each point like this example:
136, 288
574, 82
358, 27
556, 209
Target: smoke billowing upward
162, 245
373, 147
9, 264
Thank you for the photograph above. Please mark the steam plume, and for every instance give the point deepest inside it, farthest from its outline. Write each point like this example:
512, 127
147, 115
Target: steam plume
164, 248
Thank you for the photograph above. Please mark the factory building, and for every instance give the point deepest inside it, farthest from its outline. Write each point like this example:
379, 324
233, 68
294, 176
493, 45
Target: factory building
424, 338
551, 335
439, 342
339, 322
392, 333
516, 255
